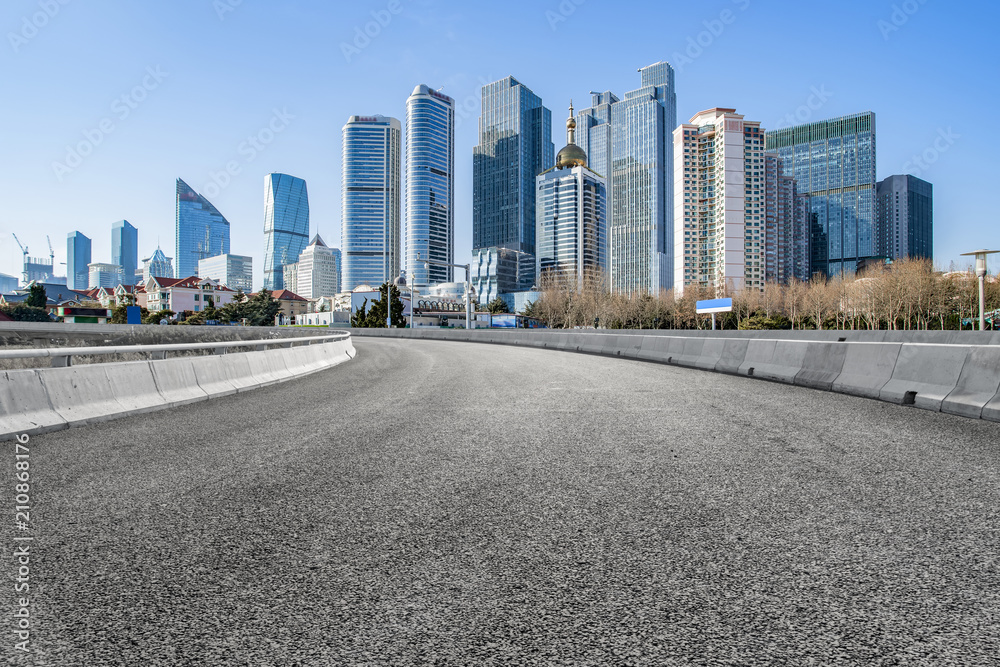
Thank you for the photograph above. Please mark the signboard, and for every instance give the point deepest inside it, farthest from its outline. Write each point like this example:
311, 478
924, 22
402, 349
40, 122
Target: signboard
133, 314
504, 321
715, 306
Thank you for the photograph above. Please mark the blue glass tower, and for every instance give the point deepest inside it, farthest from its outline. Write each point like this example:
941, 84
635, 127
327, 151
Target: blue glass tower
515, 146
641, 229
125, 249
833, 161
77, 259
201, 231
286, 225
430, 186
371, 196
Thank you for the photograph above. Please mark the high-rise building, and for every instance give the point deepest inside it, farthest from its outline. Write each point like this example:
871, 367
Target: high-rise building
125, 249
571, 235
786, 248
77, 260
641, 225
103, 275
430, 187
720, 202
318, 273
291, 277
286, 225
371, 197
904, 224
233, 271
158, 266
515, 145
497, 271
593, 132
833, 161
201, 231
10, 283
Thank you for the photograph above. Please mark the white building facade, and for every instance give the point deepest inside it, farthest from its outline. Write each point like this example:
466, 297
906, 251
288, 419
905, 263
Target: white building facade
233, 271
317, 271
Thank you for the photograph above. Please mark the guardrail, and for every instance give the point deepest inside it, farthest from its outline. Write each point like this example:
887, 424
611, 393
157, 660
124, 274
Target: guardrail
62, 356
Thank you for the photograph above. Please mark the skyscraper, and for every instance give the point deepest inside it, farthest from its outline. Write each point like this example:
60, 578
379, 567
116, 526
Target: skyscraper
371, 197
571, 238
905, 218
286, 225
786, 247
103, 275
720, 203
833, 161
318, 273
233, 271
593, 132
201, 230
157, 266
642, 183
77, 259
515, 145
125, 249
430, 186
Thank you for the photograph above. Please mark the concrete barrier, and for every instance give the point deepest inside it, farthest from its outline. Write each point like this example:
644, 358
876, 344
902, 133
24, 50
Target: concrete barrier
734, 352
711, 354
25, 406
822, 364
867, 368
80, 394
212, 375
134, 386
238, 370
978, 384
924, 375
991, 410
177, 381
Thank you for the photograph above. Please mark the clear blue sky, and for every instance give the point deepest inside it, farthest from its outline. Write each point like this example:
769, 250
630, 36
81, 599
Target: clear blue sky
224, 66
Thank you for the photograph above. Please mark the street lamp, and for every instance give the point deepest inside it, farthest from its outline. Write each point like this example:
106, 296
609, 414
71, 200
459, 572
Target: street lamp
980, 256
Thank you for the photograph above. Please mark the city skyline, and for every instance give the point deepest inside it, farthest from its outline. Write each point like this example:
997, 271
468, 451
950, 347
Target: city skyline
295, 128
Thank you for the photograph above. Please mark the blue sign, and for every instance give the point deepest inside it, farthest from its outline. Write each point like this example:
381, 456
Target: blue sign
715, 306
133, 314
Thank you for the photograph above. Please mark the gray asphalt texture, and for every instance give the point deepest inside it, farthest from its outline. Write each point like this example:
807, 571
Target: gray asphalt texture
442, 503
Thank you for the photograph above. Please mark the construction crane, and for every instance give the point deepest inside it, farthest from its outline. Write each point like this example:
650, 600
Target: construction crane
24, 249
52, 253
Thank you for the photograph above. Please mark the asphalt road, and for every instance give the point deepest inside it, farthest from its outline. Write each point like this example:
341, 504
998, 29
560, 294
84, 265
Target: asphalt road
441, 503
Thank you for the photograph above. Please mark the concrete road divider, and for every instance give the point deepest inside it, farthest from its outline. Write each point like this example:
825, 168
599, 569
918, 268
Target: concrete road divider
134, 386
867, 368
80, 394
925, 374
734, 351
212, 374
822, 364
978, 384
177, 381
25, 406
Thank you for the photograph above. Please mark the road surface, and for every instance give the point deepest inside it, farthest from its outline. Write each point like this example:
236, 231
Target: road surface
444, 503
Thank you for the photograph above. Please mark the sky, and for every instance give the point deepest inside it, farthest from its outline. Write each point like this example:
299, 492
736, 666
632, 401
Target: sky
106, 103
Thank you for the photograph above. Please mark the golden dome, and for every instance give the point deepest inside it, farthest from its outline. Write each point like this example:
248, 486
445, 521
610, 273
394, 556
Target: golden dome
571, 155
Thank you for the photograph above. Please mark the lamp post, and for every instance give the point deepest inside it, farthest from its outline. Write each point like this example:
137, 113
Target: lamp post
980, 256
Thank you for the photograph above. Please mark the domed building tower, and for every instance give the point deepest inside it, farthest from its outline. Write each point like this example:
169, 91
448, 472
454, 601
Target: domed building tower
571, 219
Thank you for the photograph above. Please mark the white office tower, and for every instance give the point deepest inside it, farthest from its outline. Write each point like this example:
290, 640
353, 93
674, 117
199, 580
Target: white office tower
318, 273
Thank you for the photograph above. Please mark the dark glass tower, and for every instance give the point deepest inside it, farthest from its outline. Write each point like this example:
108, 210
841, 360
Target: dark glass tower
515, 145
286, 226
201, 231
833, 161
904, 225
125, 249
77, 259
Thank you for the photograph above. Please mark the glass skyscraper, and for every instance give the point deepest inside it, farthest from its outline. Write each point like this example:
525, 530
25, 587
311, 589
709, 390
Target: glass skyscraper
286, 225
430, 186
77, 259
371, 197
904, 225
201, 231
125, 249
642, 182
515, 145
833, 161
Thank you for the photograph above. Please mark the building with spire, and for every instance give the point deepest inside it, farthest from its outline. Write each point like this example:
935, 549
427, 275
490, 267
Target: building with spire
317, 271
571, 214
158, 265
201, 231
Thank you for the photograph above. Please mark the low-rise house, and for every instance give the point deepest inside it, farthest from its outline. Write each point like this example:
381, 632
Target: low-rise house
180, 294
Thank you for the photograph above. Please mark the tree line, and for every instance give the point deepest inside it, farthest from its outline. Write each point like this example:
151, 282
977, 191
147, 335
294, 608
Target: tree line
908, 294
